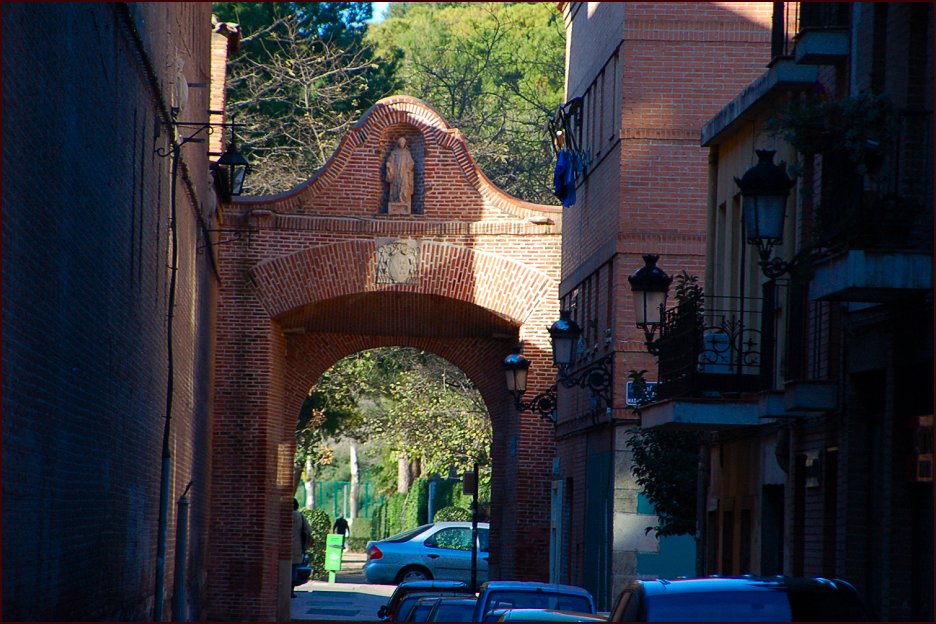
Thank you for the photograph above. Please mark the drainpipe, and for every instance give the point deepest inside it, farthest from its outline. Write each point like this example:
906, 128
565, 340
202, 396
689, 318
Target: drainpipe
165, 475
711, 210
178, 594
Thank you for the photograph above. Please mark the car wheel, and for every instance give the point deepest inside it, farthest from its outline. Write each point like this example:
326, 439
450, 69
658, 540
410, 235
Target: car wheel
413, 573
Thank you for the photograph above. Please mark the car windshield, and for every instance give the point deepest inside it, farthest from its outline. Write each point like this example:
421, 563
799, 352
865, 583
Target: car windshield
538, 600
722, 606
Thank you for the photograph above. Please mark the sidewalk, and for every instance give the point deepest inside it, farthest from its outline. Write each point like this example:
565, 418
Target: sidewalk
349, 598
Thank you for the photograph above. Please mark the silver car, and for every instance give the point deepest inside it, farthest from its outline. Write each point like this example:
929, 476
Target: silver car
440, 550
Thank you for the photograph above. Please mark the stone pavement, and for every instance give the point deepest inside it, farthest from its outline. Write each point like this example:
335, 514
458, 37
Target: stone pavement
349, 598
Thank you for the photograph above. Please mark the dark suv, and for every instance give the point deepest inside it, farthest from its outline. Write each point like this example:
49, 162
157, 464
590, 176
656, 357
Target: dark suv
740, 599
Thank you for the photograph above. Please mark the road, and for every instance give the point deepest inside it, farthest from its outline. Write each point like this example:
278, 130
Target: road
349, 598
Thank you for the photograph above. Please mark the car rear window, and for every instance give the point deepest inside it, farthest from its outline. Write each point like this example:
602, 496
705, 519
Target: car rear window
405, 535
538, 600
723, 606
453, 612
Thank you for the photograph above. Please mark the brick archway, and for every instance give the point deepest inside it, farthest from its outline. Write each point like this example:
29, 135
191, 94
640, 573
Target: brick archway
328, 272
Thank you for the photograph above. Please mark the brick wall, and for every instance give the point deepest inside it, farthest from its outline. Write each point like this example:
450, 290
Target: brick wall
671, 67
304, 293
85, 281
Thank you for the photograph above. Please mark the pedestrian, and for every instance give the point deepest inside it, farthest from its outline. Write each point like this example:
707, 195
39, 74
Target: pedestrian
301, 540
341, 528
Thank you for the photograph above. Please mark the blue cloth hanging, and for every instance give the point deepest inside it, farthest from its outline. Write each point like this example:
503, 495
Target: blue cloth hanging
564, 178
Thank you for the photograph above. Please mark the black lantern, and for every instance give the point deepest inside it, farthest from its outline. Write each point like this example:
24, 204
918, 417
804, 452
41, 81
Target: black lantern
515, 370
650, 286
764, 191
236, 168
564, 335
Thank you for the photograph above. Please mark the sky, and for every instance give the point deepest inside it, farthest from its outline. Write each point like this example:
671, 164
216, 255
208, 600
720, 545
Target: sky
380, 9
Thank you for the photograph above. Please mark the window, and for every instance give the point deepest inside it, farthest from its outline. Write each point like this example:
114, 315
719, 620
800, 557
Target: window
452, 538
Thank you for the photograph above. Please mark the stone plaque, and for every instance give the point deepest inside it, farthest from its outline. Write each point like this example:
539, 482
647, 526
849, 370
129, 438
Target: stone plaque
397, 261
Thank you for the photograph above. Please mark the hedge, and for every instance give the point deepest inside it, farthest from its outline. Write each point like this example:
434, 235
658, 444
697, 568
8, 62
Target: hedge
320, 524
400, 512
453, 514
360, 535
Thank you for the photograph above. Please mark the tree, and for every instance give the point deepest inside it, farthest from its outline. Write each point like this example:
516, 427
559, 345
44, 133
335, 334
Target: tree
494, 70
424, 410
302, 77
665, 465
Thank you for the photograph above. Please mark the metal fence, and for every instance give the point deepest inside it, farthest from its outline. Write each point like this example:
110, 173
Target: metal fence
334, 498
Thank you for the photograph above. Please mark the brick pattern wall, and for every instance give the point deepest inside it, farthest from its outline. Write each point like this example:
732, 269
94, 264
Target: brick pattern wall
677, 64
303, 293
85, 281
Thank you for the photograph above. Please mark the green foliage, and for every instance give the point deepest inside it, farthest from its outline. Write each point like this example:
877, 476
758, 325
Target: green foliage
416, 504
302, 77
453, 514
665, 466
320, 525
494, 70
688, 290
360, 534
860, 126
416, 404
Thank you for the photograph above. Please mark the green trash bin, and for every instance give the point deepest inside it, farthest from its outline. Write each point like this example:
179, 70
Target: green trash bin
334, 547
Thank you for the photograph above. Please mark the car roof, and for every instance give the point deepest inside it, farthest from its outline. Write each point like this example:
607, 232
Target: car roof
458, 523
549, 615
741, 583
414, 585
534, 586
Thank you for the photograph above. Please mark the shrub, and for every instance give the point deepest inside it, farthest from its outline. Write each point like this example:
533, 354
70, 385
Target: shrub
360, 534
452, 514
320, 524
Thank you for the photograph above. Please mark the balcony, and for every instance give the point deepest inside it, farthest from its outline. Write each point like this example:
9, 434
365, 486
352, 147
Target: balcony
823, 36
724, 349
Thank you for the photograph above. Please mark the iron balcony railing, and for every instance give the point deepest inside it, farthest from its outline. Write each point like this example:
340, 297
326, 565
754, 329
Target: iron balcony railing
723, 347
792, 18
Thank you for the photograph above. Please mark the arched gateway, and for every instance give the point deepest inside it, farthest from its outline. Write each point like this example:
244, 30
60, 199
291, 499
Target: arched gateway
450, 264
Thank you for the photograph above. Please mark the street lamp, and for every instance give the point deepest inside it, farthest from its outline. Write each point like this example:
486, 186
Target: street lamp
564, 335
650, 286
543, 404
764, 191
235, 168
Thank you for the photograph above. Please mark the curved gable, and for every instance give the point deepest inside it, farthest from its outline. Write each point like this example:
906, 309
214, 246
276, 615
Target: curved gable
449, 183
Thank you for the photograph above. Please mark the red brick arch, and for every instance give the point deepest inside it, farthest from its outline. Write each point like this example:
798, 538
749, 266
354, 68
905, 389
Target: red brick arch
305, 289
505, 286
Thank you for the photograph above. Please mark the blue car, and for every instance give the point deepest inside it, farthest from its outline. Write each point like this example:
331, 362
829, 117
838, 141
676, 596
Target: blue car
496, 598
740, 599
440, 551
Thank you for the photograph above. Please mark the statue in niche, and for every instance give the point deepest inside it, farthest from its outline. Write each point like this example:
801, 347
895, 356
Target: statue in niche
400, 167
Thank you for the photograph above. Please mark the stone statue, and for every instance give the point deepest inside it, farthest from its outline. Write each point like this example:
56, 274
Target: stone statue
400, 177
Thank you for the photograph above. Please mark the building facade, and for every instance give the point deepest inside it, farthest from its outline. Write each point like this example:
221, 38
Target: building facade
90, 289
812, 383
641, 79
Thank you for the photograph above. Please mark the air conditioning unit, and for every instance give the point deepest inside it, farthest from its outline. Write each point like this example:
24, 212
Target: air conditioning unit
716, 353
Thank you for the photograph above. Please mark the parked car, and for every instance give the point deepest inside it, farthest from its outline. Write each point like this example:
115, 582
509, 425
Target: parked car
440, 550
740, 599
406, 594
452, 610
548, 615
419, 610
496, 597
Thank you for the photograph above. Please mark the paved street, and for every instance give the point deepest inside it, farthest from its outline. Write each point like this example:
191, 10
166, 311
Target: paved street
349, 598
